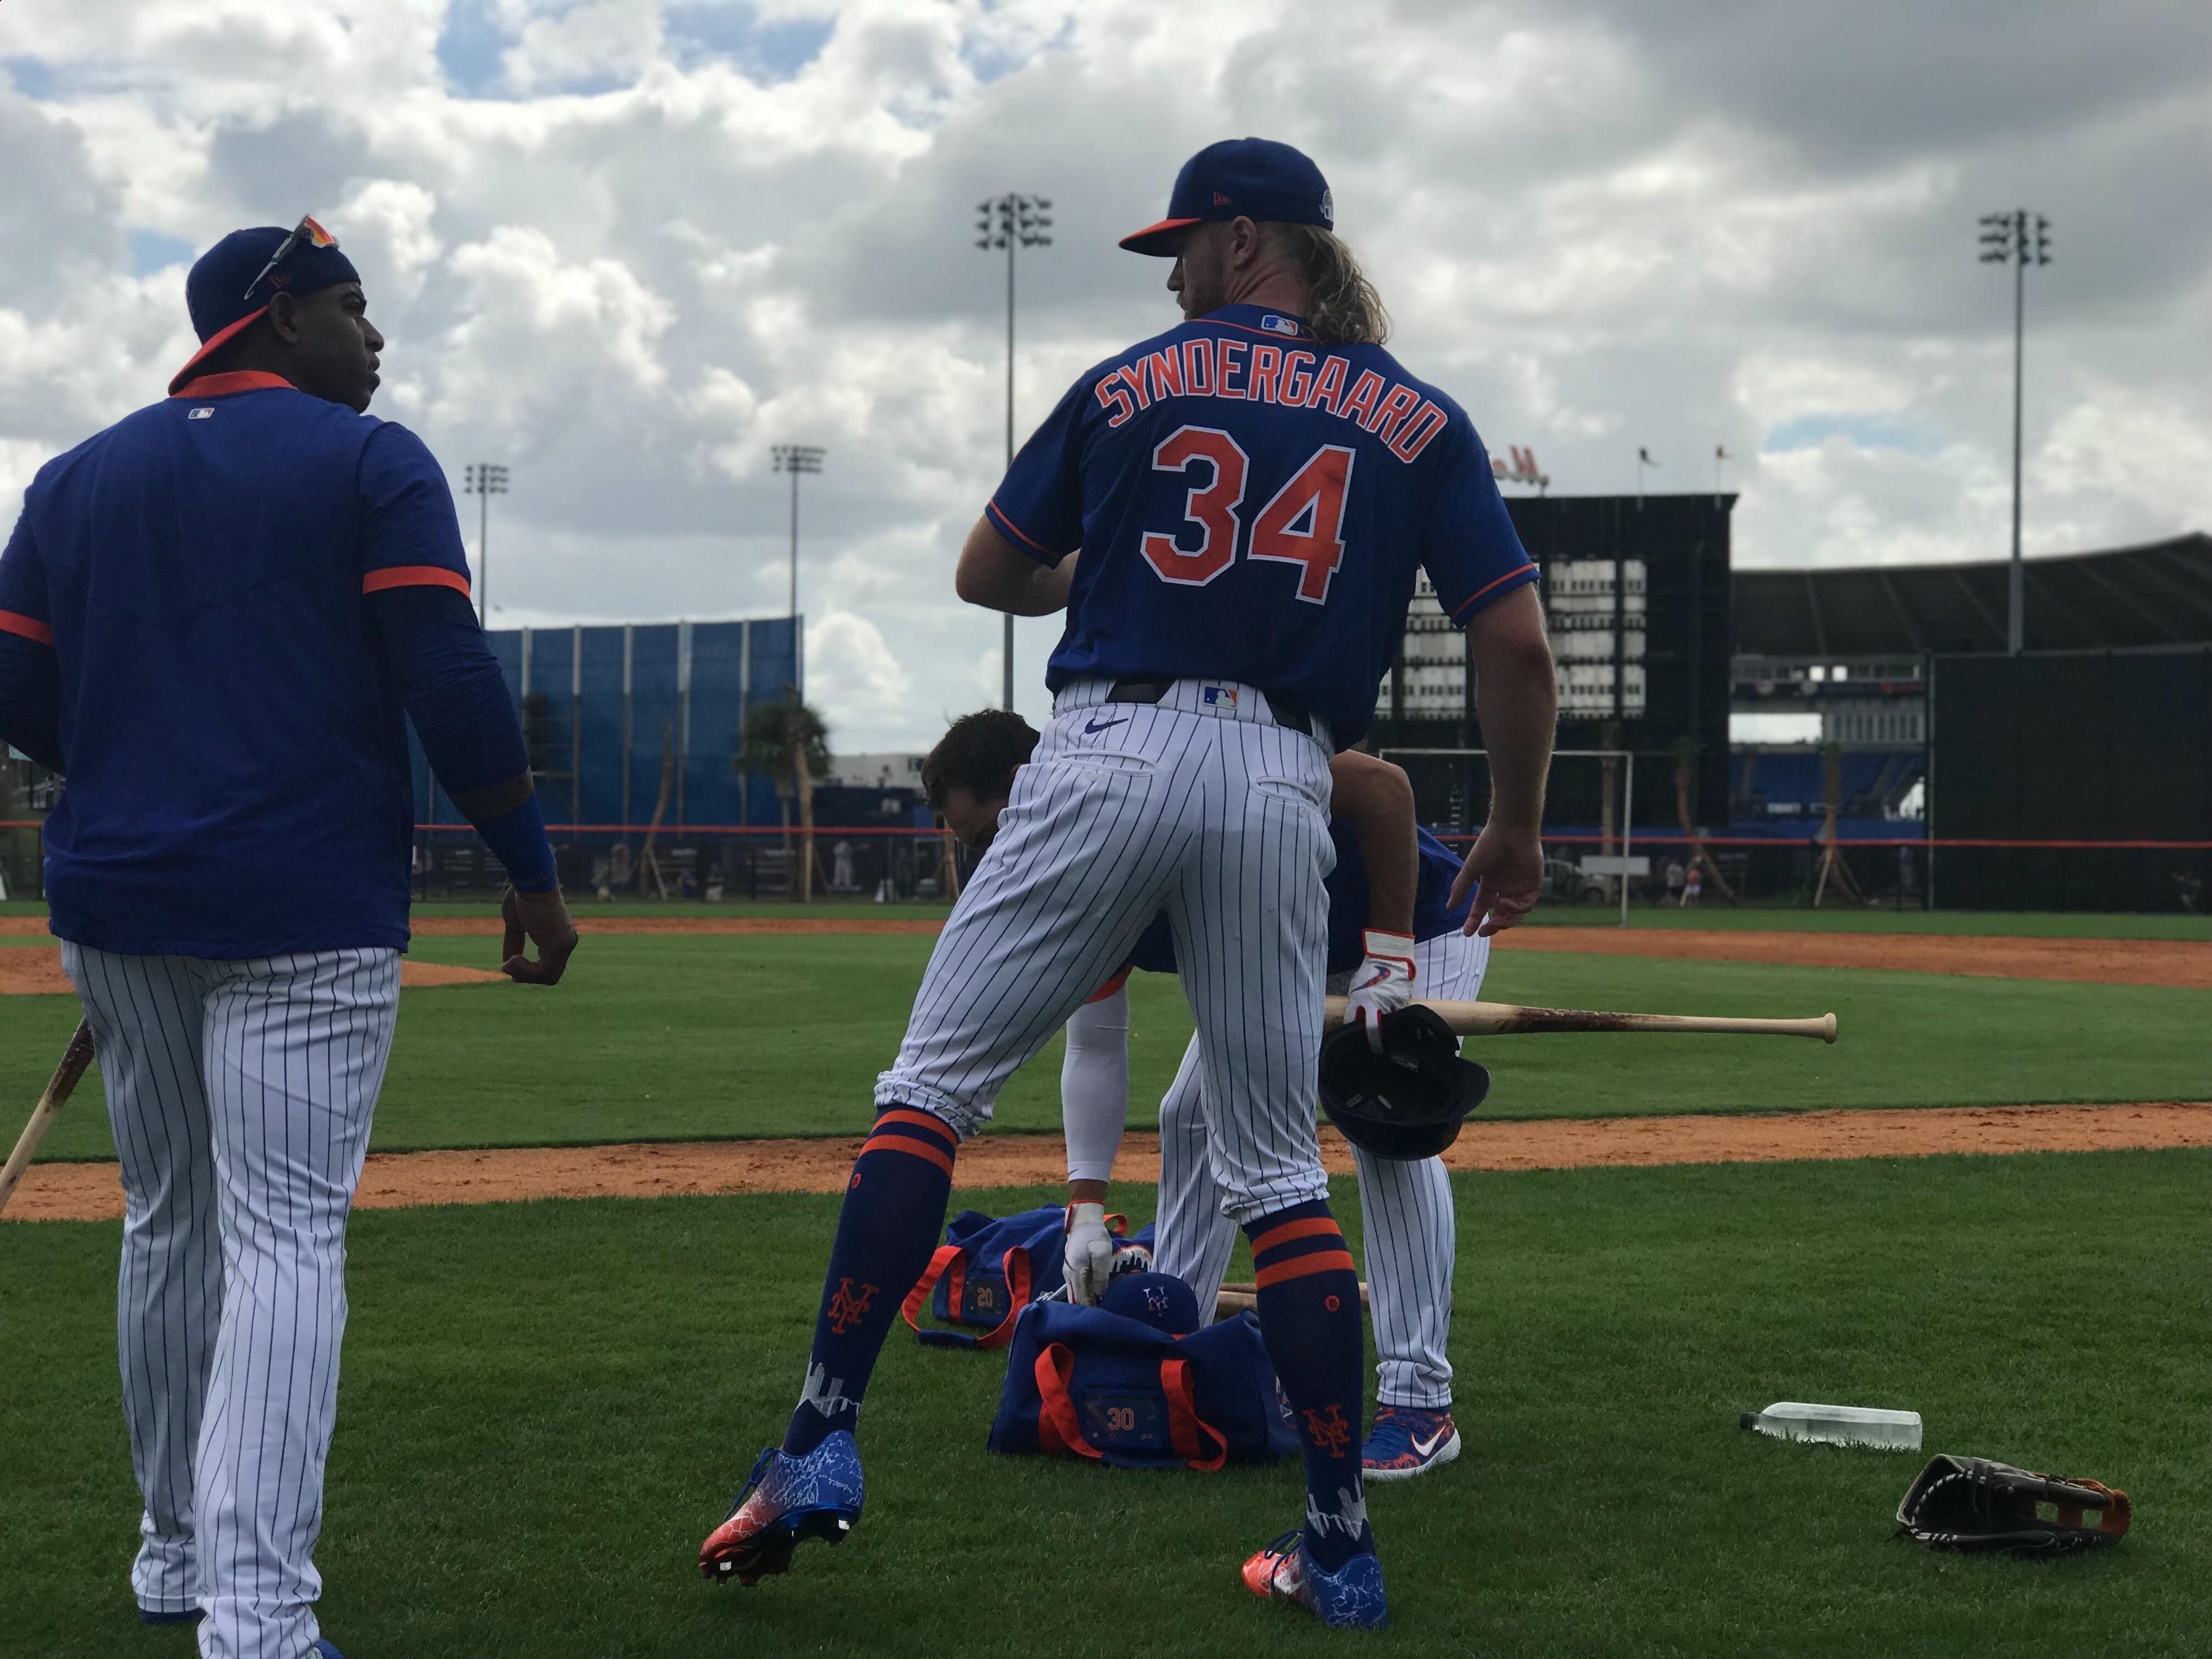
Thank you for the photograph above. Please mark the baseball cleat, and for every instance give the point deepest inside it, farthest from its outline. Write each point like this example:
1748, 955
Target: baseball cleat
1406, 1441
786, 1500
323, 1649
1351, 1598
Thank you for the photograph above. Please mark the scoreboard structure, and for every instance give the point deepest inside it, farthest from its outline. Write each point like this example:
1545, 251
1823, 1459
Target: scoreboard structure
1635, 602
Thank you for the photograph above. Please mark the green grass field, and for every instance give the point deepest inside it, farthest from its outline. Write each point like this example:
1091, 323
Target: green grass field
681, 1037
545, 1407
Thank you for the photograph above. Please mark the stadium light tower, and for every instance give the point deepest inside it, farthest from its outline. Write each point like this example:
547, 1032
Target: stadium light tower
1012, 222
2018, 239
796, 459
484, 480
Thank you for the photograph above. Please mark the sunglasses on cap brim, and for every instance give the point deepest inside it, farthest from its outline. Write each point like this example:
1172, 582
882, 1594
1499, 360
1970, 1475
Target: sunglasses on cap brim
306, 231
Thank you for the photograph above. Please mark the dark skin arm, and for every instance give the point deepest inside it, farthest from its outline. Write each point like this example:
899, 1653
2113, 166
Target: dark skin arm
543, 920
1517, 703
1379, 797
995, 574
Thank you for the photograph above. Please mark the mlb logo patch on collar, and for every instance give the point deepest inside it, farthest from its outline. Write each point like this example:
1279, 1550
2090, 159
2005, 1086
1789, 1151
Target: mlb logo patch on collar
1275, 325
204, 412
1221, 696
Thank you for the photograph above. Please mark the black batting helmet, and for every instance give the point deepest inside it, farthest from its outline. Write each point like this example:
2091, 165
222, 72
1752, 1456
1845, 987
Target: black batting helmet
1407, 1102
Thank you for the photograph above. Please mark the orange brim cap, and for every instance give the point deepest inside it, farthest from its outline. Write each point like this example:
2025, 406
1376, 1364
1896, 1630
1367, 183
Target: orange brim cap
215, 343
1159, 239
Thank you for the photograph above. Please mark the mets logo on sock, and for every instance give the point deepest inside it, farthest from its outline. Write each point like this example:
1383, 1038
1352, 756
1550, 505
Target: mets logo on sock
1329, 1431
846, 1309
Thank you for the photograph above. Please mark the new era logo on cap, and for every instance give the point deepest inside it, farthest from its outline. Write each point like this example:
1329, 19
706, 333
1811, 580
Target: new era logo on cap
1248, 178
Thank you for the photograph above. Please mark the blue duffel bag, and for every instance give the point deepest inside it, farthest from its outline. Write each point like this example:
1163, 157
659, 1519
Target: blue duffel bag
1100, 1383
989, 1269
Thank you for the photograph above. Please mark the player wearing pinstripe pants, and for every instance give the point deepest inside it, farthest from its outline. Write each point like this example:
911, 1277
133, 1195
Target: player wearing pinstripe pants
217, 617
1392, 884
1232, 515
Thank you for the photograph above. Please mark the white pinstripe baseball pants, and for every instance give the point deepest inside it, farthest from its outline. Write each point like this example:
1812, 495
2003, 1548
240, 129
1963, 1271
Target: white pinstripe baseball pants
240, 1095
1206, 809
1405, 1211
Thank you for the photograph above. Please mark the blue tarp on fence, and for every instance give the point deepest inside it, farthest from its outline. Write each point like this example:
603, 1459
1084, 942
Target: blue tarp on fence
602, 705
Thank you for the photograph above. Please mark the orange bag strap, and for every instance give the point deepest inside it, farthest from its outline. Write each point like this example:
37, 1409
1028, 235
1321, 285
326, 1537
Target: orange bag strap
1015, 1264
946, 1255
1189, 1432
1058, 1428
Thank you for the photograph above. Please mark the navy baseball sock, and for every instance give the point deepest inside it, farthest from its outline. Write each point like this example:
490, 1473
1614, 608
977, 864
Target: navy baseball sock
894, 1206
1310, 1315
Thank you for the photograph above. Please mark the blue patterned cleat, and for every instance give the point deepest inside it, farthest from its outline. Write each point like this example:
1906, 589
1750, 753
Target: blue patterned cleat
785, 1499
1406, 1441
1351, 1598
323, 1649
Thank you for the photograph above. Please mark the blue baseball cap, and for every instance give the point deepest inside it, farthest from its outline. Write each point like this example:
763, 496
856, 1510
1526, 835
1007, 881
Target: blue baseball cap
1240, 179
232, 283
1160, 1300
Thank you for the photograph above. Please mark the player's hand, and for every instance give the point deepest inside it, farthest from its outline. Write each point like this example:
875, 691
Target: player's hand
1382, 985
1088, 1257
1504, 870
541, 918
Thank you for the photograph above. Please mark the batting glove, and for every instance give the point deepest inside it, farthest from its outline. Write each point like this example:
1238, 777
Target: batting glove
1383, 984
1088, 1256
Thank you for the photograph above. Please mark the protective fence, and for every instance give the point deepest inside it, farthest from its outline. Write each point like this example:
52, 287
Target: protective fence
1621, 829
2095, 766
707, 864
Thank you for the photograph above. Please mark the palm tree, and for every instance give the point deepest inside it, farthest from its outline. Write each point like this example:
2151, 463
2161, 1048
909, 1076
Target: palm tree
791, 743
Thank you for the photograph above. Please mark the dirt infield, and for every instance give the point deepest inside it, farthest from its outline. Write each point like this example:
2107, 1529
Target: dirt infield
31, 970
90, 1192
2178, 963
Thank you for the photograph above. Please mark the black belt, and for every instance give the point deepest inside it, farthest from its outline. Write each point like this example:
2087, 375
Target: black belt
1285, 711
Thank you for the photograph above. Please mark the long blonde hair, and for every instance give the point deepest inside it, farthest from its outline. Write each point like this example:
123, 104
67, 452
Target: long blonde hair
1343, 306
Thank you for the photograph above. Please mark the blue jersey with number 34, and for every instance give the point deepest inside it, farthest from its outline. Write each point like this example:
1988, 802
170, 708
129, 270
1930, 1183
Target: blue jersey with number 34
1251, 505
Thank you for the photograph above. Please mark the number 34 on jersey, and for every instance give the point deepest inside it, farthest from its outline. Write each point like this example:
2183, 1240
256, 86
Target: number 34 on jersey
1303, 524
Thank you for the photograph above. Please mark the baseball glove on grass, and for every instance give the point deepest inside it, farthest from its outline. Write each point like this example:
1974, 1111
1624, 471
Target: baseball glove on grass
1972, 1503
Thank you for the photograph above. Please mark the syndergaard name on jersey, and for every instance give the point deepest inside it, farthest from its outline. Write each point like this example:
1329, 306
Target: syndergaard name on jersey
1401, 416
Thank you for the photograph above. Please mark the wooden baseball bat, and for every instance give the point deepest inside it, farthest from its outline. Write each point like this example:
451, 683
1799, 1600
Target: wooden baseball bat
1509, 1019
75, 1059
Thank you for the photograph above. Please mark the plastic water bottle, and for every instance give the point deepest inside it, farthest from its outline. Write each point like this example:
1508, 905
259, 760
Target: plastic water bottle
1839, 1425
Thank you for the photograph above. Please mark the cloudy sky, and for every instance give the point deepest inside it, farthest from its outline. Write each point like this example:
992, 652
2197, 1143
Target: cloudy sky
625, 246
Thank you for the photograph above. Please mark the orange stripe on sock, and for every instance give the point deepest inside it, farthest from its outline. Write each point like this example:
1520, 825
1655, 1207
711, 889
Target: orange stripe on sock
919, 1120
1290, 1231
919, 1149
1301, 1267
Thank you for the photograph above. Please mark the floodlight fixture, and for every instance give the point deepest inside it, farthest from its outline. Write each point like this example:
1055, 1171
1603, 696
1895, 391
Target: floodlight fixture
1010, 223
484, 480
2020, 239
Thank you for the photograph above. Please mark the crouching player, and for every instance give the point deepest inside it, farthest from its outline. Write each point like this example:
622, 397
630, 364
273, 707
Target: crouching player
1392, 933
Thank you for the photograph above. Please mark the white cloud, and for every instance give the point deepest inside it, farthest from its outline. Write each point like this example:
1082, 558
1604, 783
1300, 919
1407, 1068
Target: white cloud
625, 246
851, 676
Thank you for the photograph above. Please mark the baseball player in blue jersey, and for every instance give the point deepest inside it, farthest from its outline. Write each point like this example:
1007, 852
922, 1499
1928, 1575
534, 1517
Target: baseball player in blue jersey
215, 617
1231, 515
1392, 932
